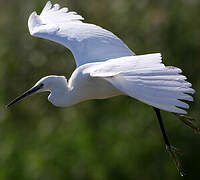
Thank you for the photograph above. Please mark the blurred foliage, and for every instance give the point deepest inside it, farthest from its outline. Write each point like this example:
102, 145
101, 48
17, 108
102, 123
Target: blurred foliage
117, 138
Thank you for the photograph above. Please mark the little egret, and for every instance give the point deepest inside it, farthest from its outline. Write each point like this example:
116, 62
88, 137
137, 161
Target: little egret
106, 67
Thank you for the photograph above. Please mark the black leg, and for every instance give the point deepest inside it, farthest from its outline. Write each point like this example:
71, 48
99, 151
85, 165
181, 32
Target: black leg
169, 148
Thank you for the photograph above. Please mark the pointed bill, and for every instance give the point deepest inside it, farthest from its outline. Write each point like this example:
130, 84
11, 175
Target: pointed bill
27, 93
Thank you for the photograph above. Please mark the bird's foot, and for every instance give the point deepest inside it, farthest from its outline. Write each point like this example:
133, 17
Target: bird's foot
173, 153
189, 121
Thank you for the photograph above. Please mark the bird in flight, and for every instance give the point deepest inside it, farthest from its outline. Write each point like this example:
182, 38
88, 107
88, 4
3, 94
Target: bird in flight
106, 67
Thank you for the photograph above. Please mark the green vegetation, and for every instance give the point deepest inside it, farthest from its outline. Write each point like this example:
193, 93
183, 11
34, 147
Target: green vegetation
117, 138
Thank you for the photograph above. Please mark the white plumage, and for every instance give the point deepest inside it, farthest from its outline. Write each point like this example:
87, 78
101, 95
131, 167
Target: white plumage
106, 67
145, 78
88, 42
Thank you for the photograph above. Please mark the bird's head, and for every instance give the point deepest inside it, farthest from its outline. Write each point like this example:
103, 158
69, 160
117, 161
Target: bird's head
48, 83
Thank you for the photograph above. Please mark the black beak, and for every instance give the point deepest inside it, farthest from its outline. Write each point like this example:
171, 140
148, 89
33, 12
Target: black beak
27, 93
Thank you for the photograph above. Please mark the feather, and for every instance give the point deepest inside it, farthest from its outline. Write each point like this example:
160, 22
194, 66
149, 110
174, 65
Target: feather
151, 82
88, 42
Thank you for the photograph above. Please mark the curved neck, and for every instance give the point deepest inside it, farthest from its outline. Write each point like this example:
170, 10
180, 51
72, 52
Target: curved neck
63, 97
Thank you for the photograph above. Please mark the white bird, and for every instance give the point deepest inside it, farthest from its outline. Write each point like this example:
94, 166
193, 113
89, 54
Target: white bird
106, 67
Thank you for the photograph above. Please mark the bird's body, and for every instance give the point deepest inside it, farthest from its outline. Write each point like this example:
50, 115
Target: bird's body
106, 67
80, 87
159, 86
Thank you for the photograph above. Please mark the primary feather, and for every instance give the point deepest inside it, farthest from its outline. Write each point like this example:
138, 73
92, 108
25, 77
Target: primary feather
145, 78
88, 42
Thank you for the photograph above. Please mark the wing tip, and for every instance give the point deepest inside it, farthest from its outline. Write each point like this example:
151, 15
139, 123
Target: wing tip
47, 7
33, 21
181, 111
50, 8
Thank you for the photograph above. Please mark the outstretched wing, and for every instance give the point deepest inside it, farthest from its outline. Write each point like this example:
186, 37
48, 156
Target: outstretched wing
88, 42
146, 79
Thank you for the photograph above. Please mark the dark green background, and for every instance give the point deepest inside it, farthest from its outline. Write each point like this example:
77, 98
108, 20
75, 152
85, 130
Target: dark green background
117, 138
